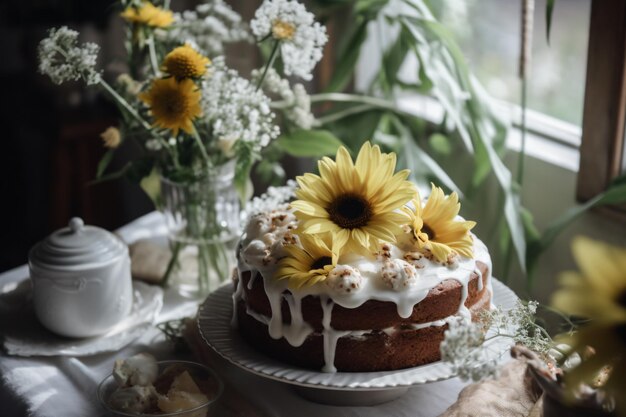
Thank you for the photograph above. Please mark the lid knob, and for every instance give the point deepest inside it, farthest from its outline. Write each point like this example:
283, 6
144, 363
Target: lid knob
76, 224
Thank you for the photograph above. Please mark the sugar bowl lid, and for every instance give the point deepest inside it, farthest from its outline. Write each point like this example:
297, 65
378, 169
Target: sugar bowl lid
77, 246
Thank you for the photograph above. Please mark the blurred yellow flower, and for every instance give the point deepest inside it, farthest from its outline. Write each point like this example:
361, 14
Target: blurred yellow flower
306, 265
355, 203
598, 293
435, 226
174, 104
148, 14
111, 137
185, 62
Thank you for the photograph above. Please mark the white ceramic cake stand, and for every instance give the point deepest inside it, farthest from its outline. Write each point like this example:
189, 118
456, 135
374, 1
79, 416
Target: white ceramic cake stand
341, 388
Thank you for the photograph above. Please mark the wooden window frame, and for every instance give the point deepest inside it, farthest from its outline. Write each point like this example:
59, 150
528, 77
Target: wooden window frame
604, 114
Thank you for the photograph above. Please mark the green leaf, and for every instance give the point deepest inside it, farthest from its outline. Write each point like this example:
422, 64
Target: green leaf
347, 58
369, 8
394, 57
615, 194
139, 169
113, 175
310, 143
243, 166
416, 156
549, 10
151, 185
104, 162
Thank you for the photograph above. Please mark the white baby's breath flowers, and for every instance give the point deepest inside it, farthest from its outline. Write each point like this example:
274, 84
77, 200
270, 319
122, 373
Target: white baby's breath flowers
235, 110
62, 59
295, 101
462, 349
273, 198
207, 28
301, 37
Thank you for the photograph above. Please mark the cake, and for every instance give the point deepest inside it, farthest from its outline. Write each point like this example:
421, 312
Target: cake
358, 274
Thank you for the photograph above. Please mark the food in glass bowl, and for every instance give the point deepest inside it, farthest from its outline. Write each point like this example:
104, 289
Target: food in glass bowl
141, 386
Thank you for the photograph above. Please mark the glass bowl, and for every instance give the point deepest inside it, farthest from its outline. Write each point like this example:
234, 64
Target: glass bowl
197, 371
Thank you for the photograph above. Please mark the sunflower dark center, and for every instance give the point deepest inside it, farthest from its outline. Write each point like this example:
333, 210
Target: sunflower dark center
430, 232
350, 211
321, 262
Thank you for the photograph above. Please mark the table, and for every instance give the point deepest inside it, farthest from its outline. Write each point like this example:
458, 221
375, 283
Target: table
66, 386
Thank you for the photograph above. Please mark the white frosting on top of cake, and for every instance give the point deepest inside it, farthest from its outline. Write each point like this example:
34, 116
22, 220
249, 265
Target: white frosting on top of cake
397, 273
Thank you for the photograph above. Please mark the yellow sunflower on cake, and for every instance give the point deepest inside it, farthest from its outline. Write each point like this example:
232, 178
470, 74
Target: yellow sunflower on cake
306, 265
597, 293
355, 203
173, 104
435, 227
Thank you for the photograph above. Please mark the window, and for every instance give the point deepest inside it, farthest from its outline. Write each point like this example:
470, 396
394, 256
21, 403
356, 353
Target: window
488, 32
605, 103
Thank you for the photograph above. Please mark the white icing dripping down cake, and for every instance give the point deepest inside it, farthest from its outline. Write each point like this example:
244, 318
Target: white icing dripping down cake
400, 288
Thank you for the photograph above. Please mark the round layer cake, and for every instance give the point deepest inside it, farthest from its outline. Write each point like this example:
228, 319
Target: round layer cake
385, 311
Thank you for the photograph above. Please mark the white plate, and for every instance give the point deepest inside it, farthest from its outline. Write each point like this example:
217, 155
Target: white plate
214, 322
25, 336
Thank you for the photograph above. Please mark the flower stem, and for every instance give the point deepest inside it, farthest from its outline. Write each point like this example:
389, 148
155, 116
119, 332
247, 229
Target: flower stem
356, 98
205, 156
170, 265
153, 57
270, 63
343, 113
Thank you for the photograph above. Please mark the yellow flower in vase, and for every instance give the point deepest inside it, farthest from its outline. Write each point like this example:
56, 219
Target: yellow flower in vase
148, 14
436, 228
174, 104
356, 203
185, 62
306, 265
597, 293
111, 137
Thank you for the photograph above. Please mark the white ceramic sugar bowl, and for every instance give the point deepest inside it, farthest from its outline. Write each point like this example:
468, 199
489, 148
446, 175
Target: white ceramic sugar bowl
81, 280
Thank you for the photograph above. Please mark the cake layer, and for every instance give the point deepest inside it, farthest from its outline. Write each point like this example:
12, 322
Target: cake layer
401, 347
442, 301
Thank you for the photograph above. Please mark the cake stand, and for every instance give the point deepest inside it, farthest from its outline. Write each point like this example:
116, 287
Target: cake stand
341, 388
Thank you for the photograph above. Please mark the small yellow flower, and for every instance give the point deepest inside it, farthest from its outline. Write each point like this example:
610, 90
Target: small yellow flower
435, 228
356, 203
111, 137
598, 293
185, 62
174, 104
283, 30
306, 265
149, 15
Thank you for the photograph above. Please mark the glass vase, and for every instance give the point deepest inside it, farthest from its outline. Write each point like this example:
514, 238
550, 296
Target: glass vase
202, 217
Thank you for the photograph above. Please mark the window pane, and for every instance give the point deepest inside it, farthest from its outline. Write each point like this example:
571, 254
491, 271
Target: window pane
488, 32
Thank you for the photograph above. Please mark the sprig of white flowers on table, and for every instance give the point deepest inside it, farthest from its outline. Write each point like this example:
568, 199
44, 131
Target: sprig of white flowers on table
463, 347
181, 101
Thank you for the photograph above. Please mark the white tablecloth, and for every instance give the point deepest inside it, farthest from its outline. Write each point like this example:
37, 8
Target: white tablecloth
66, 386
